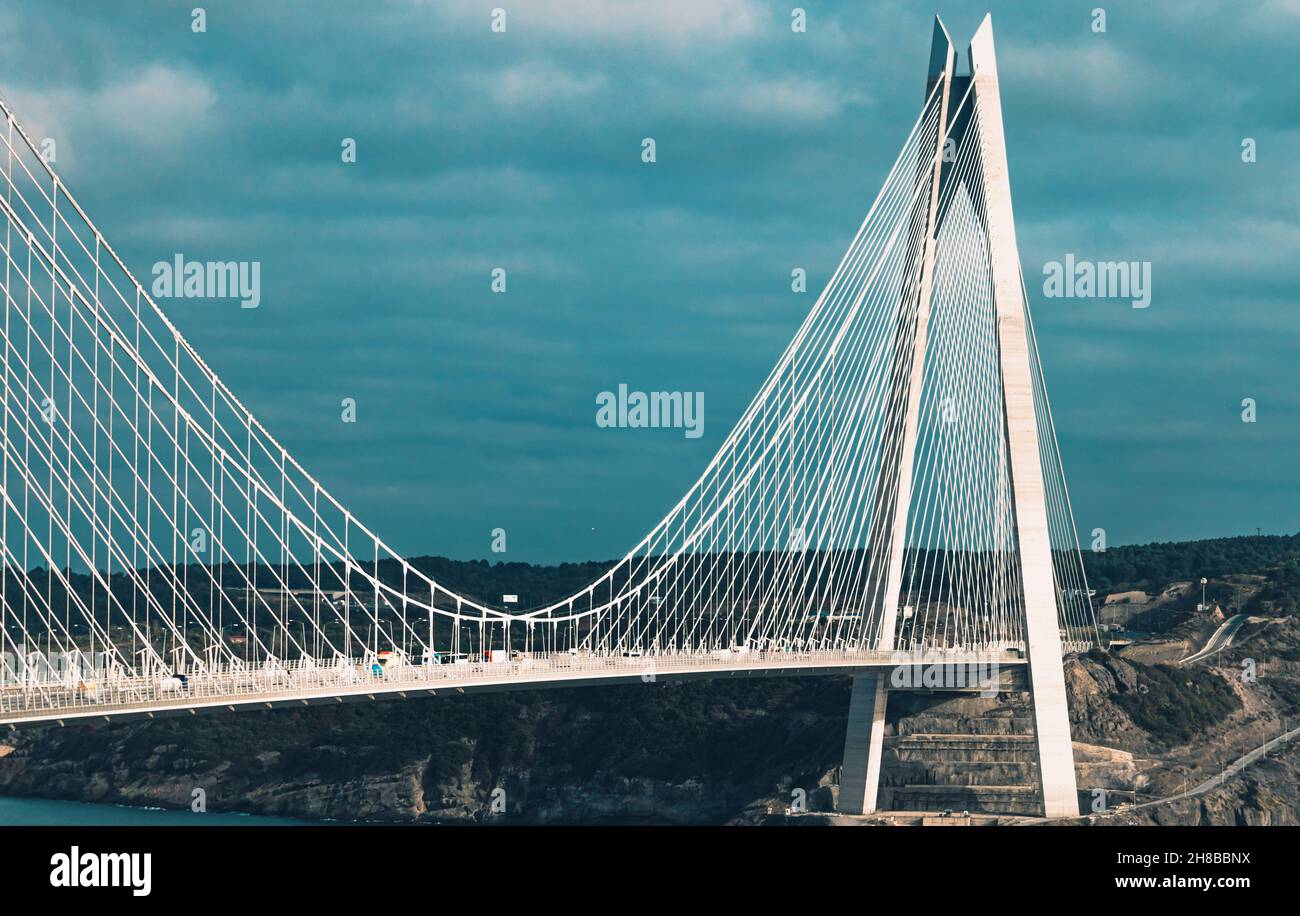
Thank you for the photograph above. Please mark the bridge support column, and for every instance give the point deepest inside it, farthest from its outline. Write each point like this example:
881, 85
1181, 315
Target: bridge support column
894, 500
1042, 624
863, 744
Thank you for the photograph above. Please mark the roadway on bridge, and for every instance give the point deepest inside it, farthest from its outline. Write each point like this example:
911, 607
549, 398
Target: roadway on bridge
311, 682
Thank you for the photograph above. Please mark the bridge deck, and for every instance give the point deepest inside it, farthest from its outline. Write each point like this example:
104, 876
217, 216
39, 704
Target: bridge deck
312, 683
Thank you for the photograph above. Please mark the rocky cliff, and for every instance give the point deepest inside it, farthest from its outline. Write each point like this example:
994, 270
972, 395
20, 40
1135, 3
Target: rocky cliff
655, 753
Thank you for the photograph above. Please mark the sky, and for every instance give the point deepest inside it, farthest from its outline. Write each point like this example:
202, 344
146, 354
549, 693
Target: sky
522, 150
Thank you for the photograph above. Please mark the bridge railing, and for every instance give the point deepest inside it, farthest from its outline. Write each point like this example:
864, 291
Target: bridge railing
312, 678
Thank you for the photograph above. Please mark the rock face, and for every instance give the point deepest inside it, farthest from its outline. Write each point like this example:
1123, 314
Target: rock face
1264, 796
1108, 768
657, 753
959, 752
1140, 731
1094, 716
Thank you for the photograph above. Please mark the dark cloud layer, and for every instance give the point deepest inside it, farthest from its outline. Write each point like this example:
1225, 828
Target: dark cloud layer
522, 150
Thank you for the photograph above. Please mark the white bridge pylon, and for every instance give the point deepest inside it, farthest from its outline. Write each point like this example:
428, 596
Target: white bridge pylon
894, 484
1005, 454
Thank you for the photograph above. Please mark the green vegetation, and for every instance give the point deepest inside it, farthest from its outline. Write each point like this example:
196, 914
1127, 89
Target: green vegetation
1143, 564
1176, 704
1281, 595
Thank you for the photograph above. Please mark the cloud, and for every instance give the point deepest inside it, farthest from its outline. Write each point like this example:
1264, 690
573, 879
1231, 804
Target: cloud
160, 111
522, 150
675, 24
789, 101
534, 83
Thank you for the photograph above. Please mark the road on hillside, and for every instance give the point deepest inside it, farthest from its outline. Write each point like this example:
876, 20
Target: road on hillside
1229, 771
1221, 639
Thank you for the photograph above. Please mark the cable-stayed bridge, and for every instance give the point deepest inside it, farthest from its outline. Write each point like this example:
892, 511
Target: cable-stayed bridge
892, 492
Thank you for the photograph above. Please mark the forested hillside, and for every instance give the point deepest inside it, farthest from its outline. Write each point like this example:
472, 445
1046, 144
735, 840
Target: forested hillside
1142, 564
